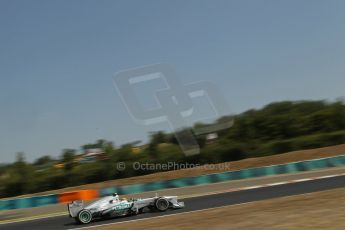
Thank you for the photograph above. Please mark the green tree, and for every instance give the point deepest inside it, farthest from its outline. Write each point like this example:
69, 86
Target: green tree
68, 159
44, 160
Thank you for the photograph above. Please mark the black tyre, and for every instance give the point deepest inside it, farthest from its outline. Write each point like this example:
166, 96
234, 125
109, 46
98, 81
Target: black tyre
84, 217
162, 204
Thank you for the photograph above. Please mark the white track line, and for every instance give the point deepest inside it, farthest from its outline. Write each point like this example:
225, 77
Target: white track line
266, 185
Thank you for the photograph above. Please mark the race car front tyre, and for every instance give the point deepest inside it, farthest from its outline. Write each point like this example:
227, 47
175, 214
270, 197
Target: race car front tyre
162, 204
84, 217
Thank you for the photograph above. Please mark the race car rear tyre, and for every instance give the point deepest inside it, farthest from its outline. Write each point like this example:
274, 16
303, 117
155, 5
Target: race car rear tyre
162, 204
84, 217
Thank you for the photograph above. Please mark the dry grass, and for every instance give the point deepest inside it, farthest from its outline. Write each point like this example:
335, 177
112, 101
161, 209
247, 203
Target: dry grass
246, 163
321, 210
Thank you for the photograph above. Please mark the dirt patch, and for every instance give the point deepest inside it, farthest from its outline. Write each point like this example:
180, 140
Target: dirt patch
321, 210
228, 166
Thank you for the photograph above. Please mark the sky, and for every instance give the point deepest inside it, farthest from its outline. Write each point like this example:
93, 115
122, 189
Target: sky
58, 60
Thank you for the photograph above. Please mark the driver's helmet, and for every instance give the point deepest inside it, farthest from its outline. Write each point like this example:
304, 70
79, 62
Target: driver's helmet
116, 197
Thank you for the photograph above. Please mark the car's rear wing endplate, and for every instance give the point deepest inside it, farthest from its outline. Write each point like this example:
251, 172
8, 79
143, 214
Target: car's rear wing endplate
75, 207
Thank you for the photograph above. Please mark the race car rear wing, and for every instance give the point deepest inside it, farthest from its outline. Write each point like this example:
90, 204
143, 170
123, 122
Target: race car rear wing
75, 207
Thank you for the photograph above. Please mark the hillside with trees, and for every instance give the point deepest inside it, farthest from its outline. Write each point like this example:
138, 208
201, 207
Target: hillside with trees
277, 128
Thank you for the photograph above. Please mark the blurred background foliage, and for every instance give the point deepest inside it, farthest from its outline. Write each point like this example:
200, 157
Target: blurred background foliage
277, 128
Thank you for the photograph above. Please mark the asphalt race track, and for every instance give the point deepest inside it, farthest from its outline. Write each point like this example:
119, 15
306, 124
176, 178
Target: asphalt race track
197, 203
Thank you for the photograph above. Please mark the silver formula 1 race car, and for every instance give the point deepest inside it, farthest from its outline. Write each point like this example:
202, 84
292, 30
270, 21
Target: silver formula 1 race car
113, 206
